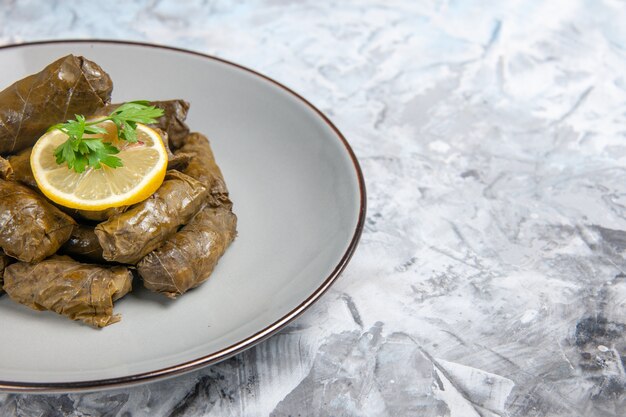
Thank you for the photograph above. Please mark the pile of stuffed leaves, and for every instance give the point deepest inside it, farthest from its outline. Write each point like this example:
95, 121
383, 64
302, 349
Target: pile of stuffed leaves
76, 262
4, 262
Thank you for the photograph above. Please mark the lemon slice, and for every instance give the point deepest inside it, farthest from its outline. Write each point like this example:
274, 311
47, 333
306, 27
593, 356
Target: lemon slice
144, 168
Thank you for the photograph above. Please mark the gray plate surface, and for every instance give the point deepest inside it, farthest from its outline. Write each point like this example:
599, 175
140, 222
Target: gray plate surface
298, 193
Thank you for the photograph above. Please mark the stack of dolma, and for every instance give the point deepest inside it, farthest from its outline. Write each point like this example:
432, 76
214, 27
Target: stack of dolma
75, 262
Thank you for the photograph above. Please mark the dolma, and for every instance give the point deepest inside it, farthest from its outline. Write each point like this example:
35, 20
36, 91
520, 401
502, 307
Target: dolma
31, 228
178, 161
79, 291
70, 85
6, 170
4, 262
84, 244
22, 172
187, 258
174, 161
129, 236
98, 215
172, 122
203, 167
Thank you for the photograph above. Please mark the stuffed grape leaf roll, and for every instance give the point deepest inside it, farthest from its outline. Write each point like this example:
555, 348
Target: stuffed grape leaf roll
173, 120
79, 291
129, 236
6, 170
22, 172
31, 228
187, 258
83, 244
202, 166
176, 161
4, 262
97, 215
70, 85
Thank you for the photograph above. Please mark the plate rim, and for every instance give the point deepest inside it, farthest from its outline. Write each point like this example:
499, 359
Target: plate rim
250, 341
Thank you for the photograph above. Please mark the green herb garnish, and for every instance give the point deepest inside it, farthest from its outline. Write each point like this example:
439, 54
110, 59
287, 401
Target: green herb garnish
80, 152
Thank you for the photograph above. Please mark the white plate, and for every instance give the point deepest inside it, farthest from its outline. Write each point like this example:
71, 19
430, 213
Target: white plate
298, 193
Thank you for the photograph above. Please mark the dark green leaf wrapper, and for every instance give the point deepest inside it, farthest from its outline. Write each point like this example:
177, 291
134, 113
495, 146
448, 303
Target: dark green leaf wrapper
83, 244
187, 258
22, 172
79, 291
6, 170
128, 237
202, 166
31, 228
31, 105
173, 259
4, 262
96, 216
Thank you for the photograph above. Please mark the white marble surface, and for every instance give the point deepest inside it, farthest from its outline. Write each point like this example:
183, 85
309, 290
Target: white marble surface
490, 276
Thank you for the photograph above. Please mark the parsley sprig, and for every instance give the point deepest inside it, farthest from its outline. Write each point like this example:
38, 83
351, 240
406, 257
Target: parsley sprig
80, 152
